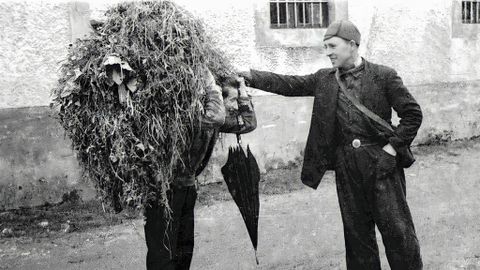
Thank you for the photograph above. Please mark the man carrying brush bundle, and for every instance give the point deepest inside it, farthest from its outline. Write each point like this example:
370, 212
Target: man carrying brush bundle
351, 133
170, 243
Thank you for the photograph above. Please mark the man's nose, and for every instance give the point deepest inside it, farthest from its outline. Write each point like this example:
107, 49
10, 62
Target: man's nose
328, 51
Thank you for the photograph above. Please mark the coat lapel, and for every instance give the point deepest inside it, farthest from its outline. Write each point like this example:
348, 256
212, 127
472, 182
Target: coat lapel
367, 78
369, 83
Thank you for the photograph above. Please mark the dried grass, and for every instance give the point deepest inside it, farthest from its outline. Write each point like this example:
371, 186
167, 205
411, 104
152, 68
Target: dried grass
129, 98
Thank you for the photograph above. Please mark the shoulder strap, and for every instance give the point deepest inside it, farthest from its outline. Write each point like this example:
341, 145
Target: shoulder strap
360, 106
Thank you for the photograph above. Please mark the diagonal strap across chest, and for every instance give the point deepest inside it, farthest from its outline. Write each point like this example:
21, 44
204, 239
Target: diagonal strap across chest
360, 106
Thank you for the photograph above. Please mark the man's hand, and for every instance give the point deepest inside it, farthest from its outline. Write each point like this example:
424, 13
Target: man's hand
242, 90
246, 75
389, 149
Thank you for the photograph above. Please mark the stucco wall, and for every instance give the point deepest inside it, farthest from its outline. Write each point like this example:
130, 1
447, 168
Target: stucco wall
37, 164
417, 39
33, 39
420, 39
413, 37
290, 51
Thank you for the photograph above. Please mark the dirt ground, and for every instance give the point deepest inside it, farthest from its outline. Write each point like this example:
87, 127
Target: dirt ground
299, 228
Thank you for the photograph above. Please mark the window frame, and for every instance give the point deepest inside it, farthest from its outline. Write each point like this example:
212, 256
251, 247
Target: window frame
297, 24
470, 13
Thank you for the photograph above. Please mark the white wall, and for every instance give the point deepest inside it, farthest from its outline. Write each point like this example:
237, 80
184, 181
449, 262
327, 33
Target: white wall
415, 37
33, 39
435, 55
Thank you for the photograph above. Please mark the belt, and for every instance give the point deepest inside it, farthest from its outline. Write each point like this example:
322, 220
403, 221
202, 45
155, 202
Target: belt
357, 143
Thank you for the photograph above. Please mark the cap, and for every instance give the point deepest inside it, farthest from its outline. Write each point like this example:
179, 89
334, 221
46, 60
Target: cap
343, 29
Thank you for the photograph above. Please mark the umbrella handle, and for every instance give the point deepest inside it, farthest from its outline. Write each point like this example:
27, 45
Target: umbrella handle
239, 139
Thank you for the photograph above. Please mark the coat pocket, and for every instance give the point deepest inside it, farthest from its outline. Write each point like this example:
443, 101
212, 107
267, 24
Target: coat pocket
386, 163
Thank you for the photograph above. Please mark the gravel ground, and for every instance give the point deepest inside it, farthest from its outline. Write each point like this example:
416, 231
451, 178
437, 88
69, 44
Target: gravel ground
299, 228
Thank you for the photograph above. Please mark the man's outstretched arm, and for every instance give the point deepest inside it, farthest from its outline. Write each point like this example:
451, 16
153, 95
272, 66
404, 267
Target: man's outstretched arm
285, 85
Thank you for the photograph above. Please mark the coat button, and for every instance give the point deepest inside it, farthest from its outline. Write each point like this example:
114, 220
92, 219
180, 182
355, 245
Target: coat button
356, 143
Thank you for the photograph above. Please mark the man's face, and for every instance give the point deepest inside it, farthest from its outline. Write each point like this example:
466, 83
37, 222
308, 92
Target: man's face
230, 97
340, 52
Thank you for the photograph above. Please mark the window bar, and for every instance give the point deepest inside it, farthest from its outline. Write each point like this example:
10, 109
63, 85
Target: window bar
471, 11
474, 11
278, 14
478, 12
321, 15
304, 18
464, 13
477, 18
287, 15
296, 19
311, 13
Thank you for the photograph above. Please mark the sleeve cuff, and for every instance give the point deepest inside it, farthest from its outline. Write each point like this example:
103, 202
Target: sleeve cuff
396, 142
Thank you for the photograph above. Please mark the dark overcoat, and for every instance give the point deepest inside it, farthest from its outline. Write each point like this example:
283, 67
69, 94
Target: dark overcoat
382, 89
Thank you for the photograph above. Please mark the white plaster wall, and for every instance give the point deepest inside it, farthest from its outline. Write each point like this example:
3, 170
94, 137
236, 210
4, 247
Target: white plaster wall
415, 38
33, 39
290, 51
231, 25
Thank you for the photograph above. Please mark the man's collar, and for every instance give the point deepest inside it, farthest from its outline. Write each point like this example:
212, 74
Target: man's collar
355, 71
358, 62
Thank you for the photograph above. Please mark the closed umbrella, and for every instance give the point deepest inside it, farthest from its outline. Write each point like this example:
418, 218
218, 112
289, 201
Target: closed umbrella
242, 175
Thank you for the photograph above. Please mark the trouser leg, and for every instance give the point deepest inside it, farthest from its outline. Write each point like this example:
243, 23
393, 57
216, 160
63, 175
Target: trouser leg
185, 241
161, 235
394, 221
358, 224
369, 180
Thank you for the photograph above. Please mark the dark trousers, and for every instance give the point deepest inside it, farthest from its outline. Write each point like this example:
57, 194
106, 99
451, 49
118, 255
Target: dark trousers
170, 244
371, 191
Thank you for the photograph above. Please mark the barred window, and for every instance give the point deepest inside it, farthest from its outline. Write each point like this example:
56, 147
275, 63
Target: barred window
471, 11
298, 13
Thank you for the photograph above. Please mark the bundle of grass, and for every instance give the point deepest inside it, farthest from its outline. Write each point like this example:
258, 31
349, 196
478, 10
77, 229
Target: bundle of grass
129, 97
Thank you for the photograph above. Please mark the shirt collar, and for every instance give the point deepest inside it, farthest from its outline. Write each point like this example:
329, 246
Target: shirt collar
360, 63
356, 70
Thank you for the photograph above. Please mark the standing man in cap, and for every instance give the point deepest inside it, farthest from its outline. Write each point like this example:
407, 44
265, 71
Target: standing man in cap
351, 133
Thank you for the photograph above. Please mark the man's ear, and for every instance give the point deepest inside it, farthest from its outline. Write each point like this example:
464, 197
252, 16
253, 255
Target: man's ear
353, 43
